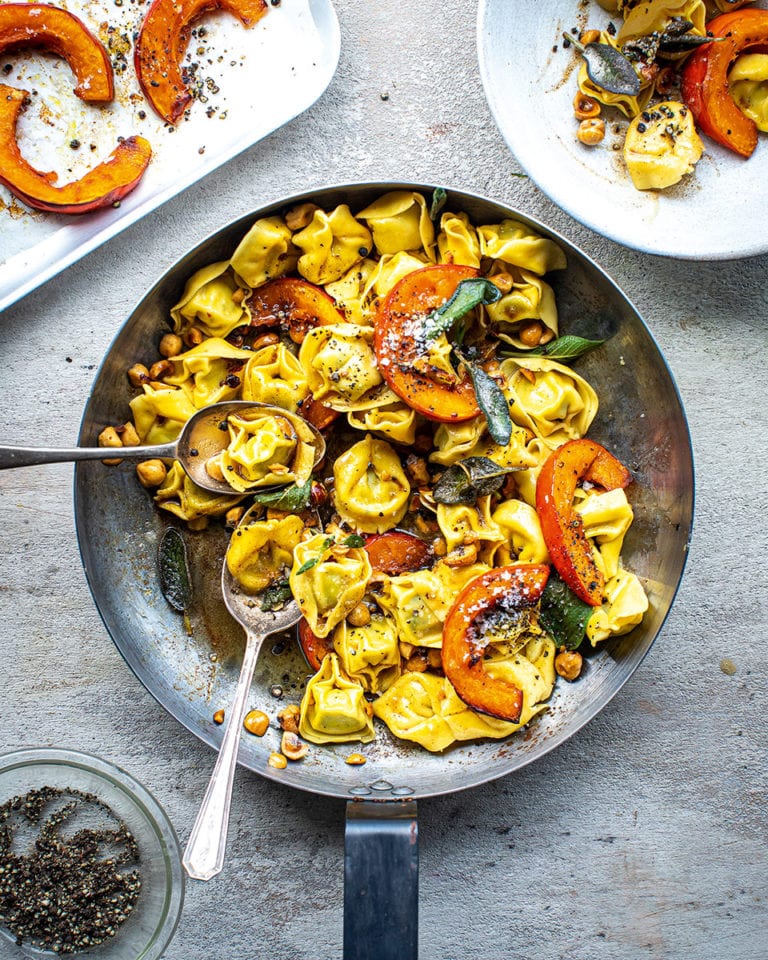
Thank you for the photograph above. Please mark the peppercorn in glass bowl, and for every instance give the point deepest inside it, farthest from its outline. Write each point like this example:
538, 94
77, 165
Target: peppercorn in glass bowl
89, 862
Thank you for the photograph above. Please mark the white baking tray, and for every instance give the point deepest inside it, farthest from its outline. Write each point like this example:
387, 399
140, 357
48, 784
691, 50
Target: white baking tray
253, 80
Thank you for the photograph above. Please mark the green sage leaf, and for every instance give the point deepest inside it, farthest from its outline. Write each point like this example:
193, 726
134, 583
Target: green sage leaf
439, 199
608, 68
276, 595
354, 540
292, 499
563, 615
470, 479
468, 294
564, 348
494, 405
313, 561
173, 570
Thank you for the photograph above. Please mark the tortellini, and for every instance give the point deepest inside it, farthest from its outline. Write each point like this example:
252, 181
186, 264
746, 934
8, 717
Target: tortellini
274, 375
628, 104
623, 608
529, 298
266, 449
517, 244
265, 252
465, 523
400, 221
159, 415
208, 373
458, 241
662, 146
212, 301
331, 244
396, 420
549, 399
748, 85
606, 518
523, 540
183, 498
334, 708
328, 581
371, 490
340, 367
260, 551
370, 654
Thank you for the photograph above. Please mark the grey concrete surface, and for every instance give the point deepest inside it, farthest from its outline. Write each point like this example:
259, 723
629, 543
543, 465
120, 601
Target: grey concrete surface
642, 838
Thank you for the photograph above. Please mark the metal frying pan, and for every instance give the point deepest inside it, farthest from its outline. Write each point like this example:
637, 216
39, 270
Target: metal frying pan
641, 419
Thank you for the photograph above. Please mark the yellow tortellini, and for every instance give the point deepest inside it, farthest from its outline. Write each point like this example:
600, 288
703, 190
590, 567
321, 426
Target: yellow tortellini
370, 654
274, 375
266, 449
606, 518
458, 441
748, 84
457, 241
340, 367
389, 271
400, 221
662, 146
654, 15
328, 581
549, 399
517, 244
159, 414
331, 244
206, 373
371, 490
523, 540
350, 292
212, 301
395, 420
464, 523
629, 105
265, 252
183, 498
529, 298
623, 608
334, 708
260, 551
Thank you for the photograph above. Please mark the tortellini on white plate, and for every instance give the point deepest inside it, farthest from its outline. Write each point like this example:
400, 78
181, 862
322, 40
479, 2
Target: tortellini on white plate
334, 708
328, 580
748, 84
371, 491
261, 551
662, 146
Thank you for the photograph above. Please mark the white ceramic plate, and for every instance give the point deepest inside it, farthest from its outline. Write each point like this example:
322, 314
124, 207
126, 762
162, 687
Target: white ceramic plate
254, 80
719, 212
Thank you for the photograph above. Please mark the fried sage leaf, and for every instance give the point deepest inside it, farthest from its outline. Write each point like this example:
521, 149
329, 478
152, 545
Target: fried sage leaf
563, 615
276, 595
174, 570
608, 68
439, 199
470, 479
468, 294
564, 348
491, 400
292, 499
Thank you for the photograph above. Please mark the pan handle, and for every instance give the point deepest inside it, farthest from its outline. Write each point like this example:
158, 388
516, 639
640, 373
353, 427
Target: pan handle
381, 881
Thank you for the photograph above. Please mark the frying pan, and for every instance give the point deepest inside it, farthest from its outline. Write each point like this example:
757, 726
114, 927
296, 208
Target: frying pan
641, 419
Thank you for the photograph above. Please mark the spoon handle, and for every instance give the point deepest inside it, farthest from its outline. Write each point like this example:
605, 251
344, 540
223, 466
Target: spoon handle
204, 855
27, 456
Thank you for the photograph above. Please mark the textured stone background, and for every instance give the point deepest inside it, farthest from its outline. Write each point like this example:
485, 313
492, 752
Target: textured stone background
642, 837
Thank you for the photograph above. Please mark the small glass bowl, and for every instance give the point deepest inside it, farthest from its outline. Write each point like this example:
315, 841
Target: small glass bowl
152, 923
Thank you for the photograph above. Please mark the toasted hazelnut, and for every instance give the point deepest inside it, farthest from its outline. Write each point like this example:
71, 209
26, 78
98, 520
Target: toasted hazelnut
256, 722
128, 435
355, 759
233, 516
359, 616
288, 718
151, 473
292, 746
218, 717
503, 281
462, 556
278, 761
568, 664
300, 216
138, 374
213, 469
265, 340
194, 337
160, 369
530, 333
170, 345
109, 437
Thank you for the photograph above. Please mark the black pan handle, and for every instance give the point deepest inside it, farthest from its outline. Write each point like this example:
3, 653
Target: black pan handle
381, 881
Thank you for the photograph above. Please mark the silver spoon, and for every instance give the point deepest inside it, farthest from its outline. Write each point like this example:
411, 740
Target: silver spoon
203, 436
204, 855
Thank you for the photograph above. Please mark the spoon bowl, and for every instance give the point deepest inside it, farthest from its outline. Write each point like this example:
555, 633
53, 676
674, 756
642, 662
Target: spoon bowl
204, 855
202, 437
